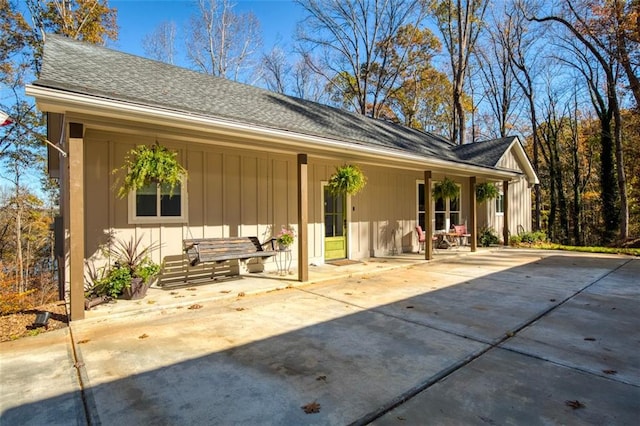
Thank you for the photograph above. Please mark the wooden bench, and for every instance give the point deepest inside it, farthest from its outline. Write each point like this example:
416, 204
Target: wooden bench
202, 250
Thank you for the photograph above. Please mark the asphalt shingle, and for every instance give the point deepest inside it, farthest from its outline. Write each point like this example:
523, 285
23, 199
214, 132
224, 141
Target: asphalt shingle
98, 71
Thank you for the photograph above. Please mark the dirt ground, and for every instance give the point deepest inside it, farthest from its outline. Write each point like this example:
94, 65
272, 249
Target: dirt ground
16, 326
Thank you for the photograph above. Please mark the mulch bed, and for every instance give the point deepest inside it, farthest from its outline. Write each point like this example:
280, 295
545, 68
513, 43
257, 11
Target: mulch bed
18, 325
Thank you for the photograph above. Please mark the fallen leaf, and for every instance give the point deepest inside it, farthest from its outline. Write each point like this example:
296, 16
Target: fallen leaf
552, 300
609, 371
143, 336
151, 302
312, 407
575, 404
225, 291
80, 342
240, 309
348, 294
173, 293
195, 306
241, 294
410, 307
192, 289
401, 418
321, 378
590, 339
510, 334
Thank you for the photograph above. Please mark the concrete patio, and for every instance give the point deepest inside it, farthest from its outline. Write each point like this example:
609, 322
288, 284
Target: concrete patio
495, 337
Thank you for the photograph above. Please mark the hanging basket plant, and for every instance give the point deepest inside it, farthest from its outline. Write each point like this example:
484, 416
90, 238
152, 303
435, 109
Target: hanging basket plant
444, 189
348, 179
486, 191
145, 165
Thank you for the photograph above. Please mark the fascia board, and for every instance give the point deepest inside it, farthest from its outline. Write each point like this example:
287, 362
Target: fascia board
61, 101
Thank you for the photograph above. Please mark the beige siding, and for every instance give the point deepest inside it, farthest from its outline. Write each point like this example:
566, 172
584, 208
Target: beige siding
253, 193
519, 199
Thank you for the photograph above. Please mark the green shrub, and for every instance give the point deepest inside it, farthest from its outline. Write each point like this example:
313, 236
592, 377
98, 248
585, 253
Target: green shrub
515, 240
487, 236
117, 279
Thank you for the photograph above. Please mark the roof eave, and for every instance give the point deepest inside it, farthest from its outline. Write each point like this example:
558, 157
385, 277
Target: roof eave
522, 156
62, 101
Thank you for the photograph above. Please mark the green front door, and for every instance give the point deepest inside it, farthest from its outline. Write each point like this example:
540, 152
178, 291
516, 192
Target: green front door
335, 224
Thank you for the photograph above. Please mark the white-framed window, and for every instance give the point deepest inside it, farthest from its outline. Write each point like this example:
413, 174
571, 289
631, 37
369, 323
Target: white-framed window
445, 212
155, 203
500, 204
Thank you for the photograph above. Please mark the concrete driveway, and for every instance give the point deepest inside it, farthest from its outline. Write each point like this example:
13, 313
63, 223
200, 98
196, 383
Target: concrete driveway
504, 337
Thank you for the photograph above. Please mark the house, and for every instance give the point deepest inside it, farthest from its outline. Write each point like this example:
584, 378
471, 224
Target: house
256, 160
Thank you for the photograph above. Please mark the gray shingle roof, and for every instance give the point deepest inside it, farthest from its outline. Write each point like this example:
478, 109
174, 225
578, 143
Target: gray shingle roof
486, 153
98, 71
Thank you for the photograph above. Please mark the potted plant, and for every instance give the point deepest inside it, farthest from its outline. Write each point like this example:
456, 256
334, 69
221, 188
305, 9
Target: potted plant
145, 165
444, 189
347, 179
486, 191
132, 271
285, 237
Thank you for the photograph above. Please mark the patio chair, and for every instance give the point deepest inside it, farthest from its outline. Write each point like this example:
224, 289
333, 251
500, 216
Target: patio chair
462, 234
422, 238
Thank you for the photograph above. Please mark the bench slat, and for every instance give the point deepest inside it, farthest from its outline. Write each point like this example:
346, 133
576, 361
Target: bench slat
222, 249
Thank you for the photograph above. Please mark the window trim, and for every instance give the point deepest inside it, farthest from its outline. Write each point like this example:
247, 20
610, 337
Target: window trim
133, 219
500, 196
447, 211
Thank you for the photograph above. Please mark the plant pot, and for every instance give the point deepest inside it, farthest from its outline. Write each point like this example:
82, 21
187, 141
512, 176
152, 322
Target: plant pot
137, 289
283, 247
95, 301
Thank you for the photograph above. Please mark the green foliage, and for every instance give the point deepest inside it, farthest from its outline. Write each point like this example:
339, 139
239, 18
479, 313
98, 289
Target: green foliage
130, 260
348, 179
487, 237
486, 191
444, 189
144, 165
286, 236
117, 279
527, 238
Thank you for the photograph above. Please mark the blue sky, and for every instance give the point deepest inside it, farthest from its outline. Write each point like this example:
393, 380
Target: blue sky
137, 18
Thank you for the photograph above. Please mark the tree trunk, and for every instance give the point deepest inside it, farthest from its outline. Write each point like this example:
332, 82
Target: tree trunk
607, 182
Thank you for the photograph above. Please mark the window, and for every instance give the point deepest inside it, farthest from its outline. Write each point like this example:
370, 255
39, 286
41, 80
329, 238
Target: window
155, 203
500, 204
444, 210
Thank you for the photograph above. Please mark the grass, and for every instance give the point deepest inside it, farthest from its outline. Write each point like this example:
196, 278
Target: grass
609, 250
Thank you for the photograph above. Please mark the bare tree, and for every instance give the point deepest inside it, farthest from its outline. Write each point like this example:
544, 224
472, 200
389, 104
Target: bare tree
221, 42
498, 82
573, 21
521, 44
276, 70
350, 39
460, 22
161, 43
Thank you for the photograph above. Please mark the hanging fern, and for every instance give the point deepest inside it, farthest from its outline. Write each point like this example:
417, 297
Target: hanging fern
486, 191
348, 179
444, 189
145, 164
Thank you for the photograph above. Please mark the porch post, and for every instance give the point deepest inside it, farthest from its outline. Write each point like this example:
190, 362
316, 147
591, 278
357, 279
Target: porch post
428, 244
75, 182
473, 220
303, 219
505, 197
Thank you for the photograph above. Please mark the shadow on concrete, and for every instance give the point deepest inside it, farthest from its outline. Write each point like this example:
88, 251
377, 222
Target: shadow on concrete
410, 329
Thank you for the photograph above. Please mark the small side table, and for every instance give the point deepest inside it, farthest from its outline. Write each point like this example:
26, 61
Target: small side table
283, 260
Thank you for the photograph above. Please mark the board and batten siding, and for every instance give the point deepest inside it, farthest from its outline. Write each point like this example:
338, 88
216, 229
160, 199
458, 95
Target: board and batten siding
234, 192
519, 202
